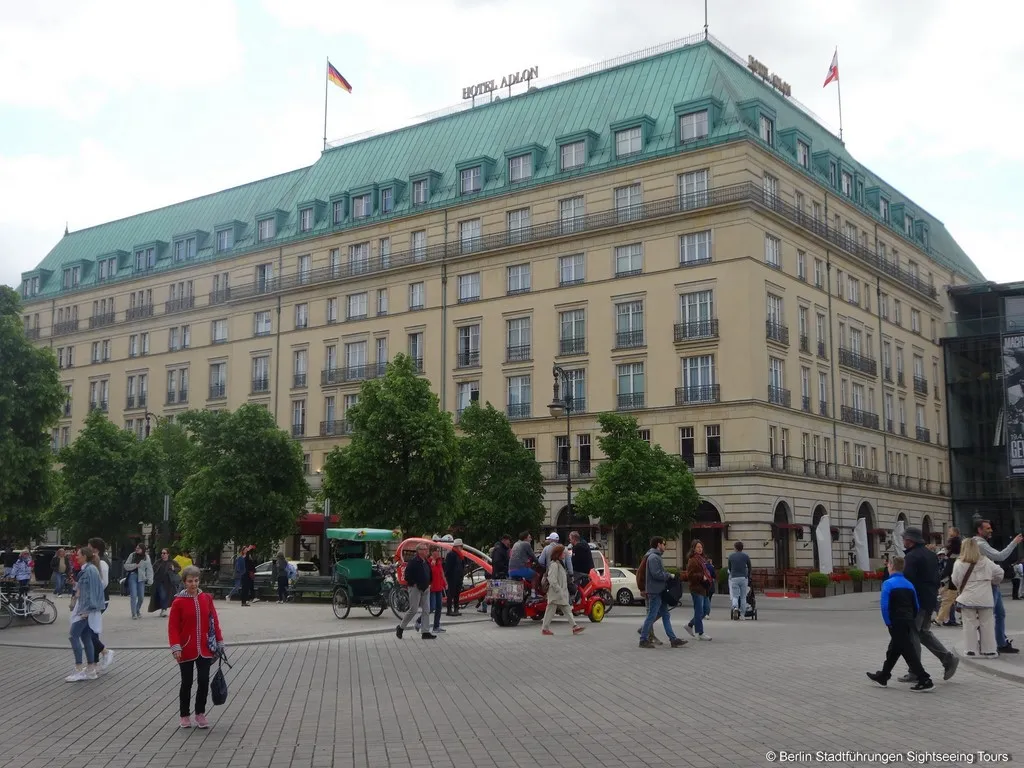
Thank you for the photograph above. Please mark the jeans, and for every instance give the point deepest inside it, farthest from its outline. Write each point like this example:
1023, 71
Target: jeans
81, 636
738, 593
163, 598
136, 593
185, 692
522, 573
1000, 614
58, 582
701, 605
924, 636
436, 600
655, 608
235, 589
282, 588
419, 602
901, 643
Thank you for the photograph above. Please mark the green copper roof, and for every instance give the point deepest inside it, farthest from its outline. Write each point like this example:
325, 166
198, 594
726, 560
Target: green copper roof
646, 91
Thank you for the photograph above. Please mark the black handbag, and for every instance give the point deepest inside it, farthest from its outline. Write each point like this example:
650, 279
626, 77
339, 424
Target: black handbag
219, 687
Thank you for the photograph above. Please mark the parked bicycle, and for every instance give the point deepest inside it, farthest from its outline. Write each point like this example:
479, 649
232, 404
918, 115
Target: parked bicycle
17, 603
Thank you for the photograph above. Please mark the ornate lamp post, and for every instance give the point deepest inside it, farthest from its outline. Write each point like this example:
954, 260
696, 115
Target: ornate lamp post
558, 407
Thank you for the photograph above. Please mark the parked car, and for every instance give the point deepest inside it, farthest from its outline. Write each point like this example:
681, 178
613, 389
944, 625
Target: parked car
624, 587
264, 571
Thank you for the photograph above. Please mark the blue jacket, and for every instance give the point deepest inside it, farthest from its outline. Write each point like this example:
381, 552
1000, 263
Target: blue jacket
21, 570
90, 590
899, 600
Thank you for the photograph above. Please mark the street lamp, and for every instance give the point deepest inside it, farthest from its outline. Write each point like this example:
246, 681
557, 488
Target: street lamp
563, 405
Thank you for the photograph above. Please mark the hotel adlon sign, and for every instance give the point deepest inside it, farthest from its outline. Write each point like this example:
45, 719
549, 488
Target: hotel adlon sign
489, 86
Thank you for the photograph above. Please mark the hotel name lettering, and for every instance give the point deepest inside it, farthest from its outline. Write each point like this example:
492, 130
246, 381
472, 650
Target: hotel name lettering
489, 86
771, 78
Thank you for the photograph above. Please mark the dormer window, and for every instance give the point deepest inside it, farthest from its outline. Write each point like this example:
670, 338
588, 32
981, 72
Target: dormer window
573, 155
305, 220
419, 192
520, 168
883, 208
693, 126
767, 131
387, 200
362, 206
30, 287
225, 240
338, 211
908, 224
185, 249
803, 154
847, 184
72, 275
107, 268
628, 141
832, 174
266, 230
471, 180
145, 258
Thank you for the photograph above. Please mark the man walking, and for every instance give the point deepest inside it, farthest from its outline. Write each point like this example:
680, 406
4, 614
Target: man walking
983, 532
739, 579
921, 569
417, 576
655, 582
454, 570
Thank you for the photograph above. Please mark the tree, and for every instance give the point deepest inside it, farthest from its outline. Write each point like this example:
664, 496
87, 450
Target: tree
111, 481
31, 397
501, 489
245, 484
401, 468
640, 488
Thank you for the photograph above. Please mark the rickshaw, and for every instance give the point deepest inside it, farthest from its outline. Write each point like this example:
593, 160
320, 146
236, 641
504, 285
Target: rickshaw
357, 579
474, 580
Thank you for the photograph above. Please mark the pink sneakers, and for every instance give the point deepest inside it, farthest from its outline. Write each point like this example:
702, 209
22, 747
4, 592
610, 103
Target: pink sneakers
201, 721
185, 723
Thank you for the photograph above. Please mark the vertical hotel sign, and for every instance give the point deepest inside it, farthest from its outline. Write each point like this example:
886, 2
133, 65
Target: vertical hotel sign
1013, 378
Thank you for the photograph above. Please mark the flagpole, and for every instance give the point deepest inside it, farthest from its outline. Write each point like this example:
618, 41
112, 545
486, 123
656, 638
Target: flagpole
839, 94
327, 84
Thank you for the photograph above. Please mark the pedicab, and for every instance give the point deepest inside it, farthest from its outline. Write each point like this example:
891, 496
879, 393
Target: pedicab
474, 579
511, 600
357, 579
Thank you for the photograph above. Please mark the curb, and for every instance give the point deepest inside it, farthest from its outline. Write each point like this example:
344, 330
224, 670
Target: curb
992, 667
244, 644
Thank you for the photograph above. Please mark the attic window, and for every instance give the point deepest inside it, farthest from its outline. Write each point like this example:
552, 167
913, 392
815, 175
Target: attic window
573, 155
628, 141
225, 240
419, 192
107, 268
305, 219
266, 230
520, 167
883, 208
471, 180
908, 224
339, 211
145, 258
803, 154
847, 184
832, 174
387, 200
767, 131
71, 277
185, 249
362, 206
693, 126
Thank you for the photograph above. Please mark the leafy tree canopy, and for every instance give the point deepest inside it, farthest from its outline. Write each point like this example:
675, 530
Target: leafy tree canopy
401, 467
640, 488
246, 482
501, 489
31, 397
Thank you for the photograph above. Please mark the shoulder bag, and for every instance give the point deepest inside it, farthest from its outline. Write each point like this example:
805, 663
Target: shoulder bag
967, 577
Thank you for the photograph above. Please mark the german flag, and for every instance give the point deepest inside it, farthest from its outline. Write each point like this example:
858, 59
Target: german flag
335, 77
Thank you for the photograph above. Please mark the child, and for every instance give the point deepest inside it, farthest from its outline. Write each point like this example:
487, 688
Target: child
899, 607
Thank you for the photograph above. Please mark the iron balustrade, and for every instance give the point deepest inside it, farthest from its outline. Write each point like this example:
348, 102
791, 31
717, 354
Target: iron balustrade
217, 391
467, 359
138, 313
823, 407
183, 304
857, 362
102, 320
777, 332
696, 330
299, 380
183, 396
630, 401
335, 428
629, 339
805, 344
805, 403
220, 296
860, 418
67, 409
32, 333
573, 346
299, 430
778, 396
517, 411
822, 353
924, 434
517, 354
888, 374
920, 385
129, 403
65, 327
900, 379
709, 393
260, 384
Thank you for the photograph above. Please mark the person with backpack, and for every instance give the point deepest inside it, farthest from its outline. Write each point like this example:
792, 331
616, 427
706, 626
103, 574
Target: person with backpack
655, 582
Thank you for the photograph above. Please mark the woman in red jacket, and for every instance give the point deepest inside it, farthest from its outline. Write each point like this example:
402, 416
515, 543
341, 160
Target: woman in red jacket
188, 630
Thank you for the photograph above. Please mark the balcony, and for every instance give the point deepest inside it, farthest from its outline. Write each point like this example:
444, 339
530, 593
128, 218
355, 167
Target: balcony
776, 332
630, 401
101, 321
67, 409
857, 362
218, 391
861, 475
889, 426
559, 470
779, 396
172, 398
696, 330
298, 430
900, 379
335, 428
578, 405
298, 380
183, 396
573, 346
219, 297
417, 363
517, 411
64, 328
629, 339
183, 304
887, 373
920, 385
859, 417
32, 333
822, 353
138, 313
517, 354
823, 408
923, 434
336, 376
260, 384
697, 395
805, 404
98, 405
468, 359
805, 344
135, 401
903, 430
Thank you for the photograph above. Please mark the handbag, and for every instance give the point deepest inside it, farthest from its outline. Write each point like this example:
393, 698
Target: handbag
219, 685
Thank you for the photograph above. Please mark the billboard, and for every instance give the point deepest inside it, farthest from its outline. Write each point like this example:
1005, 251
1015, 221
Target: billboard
1013, 381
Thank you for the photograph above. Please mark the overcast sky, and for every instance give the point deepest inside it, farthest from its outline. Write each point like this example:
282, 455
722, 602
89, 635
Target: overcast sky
113, 107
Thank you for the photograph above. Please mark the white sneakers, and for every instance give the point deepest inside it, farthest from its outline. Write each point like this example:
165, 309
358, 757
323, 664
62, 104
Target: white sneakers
704, 637
80, 675
106, 659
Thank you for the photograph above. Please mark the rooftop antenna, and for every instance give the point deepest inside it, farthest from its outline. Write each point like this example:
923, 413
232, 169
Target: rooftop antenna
705, 19
65, 229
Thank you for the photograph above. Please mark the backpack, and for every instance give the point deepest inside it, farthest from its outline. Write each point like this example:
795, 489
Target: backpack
641, 574
673, 594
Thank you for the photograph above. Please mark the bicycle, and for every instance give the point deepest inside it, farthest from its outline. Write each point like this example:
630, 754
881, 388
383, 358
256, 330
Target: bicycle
17, 604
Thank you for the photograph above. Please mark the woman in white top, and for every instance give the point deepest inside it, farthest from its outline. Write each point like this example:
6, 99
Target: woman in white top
973, 575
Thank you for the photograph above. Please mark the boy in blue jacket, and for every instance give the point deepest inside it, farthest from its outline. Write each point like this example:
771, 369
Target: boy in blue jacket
899, 609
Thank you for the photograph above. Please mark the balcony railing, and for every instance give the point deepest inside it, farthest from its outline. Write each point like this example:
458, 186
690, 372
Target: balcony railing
805, 404
32, 333
924, 434
778, 396
417, 363
138, 313
517, 411
517, 354
901, 379
822, 352
857, 362
260, 384
776, 332
335, 428
67, 409
823, 408
335, 376
920, 385
298, 430
574, 346
219, 297
558, 470
183, 396
709, 393
183, 304
694, 330
887, 373
467, 359
629, 339
298, 380
805, 344
100, 321
859, 417
578, 405
98, 405
218, 391
66, 327
630, 401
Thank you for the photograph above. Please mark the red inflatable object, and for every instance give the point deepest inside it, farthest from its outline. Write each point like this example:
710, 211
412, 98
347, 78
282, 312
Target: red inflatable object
477, 563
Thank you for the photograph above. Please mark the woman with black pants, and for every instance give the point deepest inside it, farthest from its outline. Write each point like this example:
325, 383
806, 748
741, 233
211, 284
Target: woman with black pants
249, 579
188, 630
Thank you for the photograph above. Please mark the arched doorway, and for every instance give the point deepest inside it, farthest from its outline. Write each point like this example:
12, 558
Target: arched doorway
708, 527
868, 514
568, 521
783, 534
926, 528
819, 512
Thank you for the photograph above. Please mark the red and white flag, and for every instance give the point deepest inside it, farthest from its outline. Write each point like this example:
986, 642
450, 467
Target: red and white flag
833, 70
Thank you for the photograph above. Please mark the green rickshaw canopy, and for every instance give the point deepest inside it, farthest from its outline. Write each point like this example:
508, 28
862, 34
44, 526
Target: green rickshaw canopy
363, 534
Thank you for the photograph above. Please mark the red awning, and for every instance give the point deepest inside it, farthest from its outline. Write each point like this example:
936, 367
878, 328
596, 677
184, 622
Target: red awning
312, 524
878, 531
788, 526
718, 526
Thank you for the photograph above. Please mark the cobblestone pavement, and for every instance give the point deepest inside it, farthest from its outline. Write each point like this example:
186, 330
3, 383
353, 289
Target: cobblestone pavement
509, 698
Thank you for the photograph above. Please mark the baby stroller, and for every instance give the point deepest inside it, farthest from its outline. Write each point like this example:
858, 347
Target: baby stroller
751, 605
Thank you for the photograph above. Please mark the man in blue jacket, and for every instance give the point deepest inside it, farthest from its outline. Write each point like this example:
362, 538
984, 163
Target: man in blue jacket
899, 612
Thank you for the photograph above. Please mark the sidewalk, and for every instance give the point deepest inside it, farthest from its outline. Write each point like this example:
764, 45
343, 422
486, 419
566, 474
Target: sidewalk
263, 623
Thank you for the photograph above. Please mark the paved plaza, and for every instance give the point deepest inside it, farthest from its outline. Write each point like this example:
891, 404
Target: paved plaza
481, 695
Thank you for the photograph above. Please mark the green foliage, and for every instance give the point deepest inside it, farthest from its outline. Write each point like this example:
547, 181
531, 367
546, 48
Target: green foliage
245, 484
31, 397
856, 574
111, 481
501, 488
401, 468
817, 579
640, 488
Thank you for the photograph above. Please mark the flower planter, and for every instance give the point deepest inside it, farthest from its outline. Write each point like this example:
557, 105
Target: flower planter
817, 591
858, 586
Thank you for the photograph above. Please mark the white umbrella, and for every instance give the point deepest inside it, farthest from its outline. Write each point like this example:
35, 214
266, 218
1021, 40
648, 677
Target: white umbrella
897, 536
823, 536
860, 542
